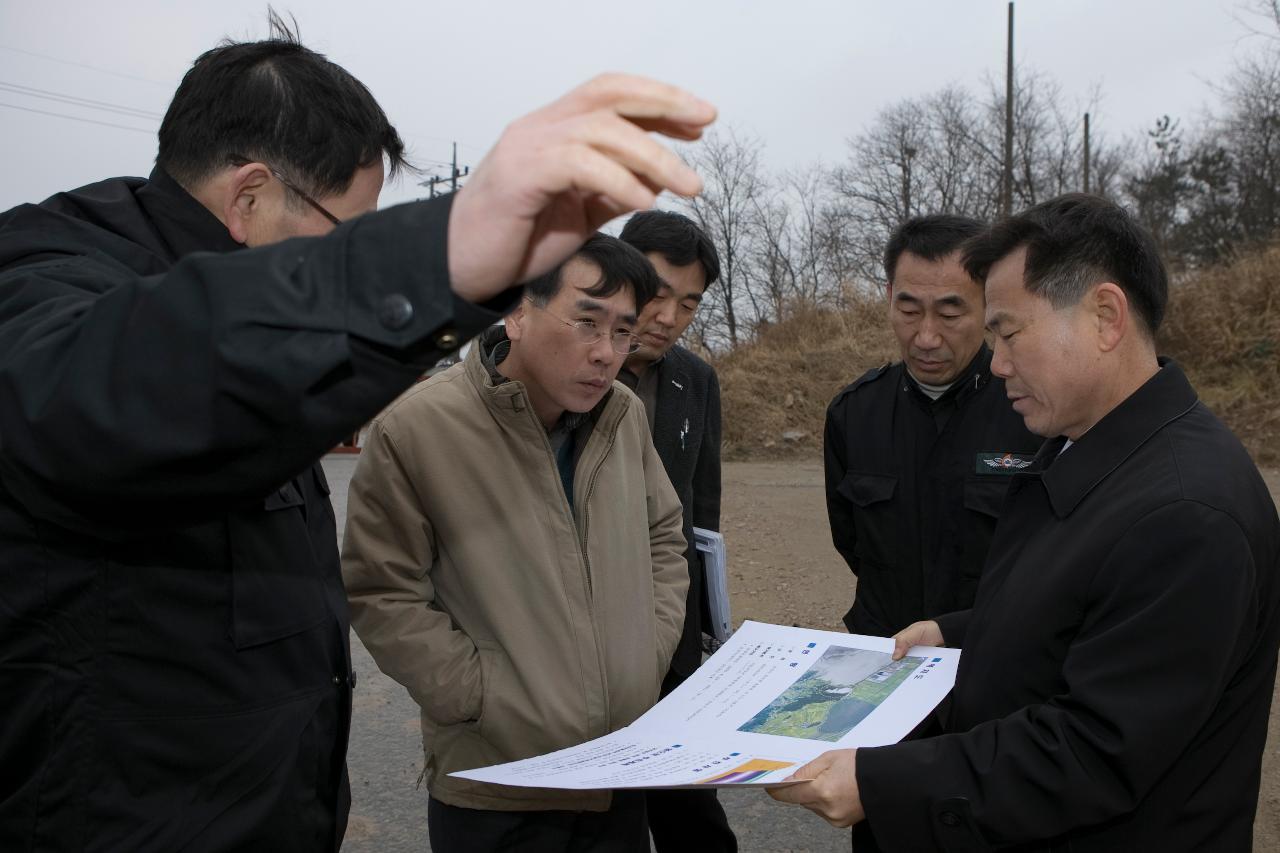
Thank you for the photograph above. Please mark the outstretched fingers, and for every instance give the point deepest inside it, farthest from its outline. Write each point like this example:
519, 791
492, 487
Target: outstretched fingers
638, 99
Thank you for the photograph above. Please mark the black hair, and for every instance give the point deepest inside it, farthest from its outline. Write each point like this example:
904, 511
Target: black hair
280, 103
1073, 242
620, 266
676, 238
929, 237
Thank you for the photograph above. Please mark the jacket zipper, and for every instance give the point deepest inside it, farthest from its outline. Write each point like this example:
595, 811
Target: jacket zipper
586, 563
582, 542
586, 507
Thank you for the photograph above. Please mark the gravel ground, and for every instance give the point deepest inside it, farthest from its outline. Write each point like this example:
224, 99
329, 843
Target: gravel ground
782, 570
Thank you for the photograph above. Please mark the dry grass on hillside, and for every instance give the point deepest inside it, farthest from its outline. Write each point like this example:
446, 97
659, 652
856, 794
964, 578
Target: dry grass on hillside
782, 382
1223, 328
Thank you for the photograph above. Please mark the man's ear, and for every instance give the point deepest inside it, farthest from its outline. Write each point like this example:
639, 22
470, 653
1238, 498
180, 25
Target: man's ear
515, 322
1111, 309
243, 199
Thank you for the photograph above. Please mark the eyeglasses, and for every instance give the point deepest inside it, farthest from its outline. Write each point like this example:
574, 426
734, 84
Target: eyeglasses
588, 332
237, 160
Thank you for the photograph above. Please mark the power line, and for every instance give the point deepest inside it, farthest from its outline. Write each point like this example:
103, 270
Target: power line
83, 65
78, 118
76, 100
416, 135
454, 174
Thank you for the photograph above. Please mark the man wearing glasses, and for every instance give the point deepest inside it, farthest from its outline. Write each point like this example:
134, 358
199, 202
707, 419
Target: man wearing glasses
174, 654
514, 557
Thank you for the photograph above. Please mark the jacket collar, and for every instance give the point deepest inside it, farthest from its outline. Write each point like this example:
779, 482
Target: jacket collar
1162, 399
505, 394
182, 223
972, 379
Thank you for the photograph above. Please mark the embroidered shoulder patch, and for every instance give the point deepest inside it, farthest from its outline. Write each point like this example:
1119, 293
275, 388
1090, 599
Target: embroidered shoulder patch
998, 462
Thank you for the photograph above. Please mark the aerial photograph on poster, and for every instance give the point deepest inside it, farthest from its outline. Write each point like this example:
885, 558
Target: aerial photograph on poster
839, 691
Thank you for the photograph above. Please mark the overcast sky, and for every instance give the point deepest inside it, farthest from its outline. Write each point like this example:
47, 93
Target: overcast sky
803, 76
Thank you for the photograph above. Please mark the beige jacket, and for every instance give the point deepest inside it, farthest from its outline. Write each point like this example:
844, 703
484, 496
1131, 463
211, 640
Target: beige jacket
518, 627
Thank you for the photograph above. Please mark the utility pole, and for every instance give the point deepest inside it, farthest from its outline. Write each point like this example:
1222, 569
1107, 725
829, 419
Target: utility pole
1086, 152
452, 180
1006, 200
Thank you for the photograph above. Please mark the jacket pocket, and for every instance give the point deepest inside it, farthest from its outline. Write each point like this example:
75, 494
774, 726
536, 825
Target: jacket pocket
876, 523
983, 502
493, 683
985, 496
276, 587
522, 712
865, 490
205, 781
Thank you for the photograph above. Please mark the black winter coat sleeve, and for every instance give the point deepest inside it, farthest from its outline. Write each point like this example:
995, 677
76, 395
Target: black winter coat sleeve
839, 508
130, 402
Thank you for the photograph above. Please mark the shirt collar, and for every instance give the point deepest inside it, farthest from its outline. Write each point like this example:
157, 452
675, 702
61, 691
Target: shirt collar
975, 375
653, 367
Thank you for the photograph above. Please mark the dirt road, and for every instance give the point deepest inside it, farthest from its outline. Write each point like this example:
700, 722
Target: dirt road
783, 569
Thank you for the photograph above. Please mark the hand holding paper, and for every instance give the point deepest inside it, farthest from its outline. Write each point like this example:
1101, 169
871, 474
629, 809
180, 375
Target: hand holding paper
927, 633
831, 789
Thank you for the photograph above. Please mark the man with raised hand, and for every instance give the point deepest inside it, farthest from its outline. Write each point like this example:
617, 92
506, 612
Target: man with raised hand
1120, 657
175, 354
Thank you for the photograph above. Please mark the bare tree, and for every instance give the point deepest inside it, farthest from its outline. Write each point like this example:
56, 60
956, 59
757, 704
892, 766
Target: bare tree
795, 254
924, 155
1208, 191
729, 163
944, 153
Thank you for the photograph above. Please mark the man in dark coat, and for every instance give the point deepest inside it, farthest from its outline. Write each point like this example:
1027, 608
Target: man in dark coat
1119, 661
173, 629
918, 454
681, 396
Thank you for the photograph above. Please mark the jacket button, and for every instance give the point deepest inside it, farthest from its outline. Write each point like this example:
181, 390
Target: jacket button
395, 312
353, 679
337, 681
448, 339
949, 819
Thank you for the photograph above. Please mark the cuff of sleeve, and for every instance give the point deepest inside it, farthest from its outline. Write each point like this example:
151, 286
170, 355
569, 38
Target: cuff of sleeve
397, 281
953, 626
895, 825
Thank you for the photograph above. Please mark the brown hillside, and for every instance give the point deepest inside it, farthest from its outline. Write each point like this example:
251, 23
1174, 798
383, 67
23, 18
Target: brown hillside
1223, 327
782, 382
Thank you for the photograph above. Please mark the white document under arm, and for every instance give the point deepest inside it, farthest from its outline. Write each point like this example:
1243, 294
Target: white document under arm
715, 568
770, 700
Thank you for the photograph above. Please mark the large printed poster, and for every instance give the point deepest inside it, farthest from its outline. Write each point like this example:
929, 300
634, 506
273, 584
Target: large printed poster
771, 699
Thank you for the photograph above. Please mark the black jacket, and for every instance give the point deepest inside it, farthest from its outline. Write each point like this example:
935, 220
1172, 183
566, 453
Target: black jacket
914, 489
686, 434
1118, 663
173, 629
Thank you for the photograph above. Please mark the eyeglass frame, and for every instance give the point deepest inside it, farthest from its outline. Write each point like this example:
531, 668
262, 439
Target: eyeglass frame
632, 347
239, 160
